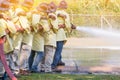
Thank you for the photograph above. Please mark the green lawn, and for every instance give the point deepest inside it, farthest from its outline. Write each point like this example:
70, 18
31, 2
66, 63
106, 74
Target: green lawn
69, 77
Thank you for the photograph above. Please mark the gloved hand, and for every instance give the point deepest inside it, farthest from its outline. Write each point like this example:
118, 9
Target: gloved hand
2, 40
73, 26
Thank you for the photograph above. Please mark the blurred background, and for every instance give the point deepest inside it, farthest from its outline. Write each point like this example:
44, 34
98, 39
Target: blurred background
92, 49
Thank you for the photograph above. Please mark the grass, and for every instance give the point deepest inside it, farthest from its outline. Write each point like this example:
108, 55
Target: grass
69, 77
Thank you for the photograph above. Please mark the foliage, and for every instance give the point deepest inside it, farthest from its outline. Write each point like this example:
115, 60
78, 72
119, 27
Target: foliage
89, 6
94, 6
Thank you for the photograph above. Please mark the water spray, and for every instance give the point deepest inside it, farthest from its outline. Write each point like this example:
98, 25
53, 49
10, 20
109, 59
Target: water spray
99, 32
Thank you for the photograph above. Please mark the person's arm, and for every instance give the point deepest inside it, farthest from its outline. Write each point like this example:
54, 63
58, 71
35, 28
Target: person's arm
21, 14
17, 27
43, 17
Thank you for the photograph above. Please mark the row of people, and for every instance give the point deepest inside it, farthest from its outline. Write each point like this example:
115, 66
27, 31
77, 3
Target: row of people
34, 35
4, 30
